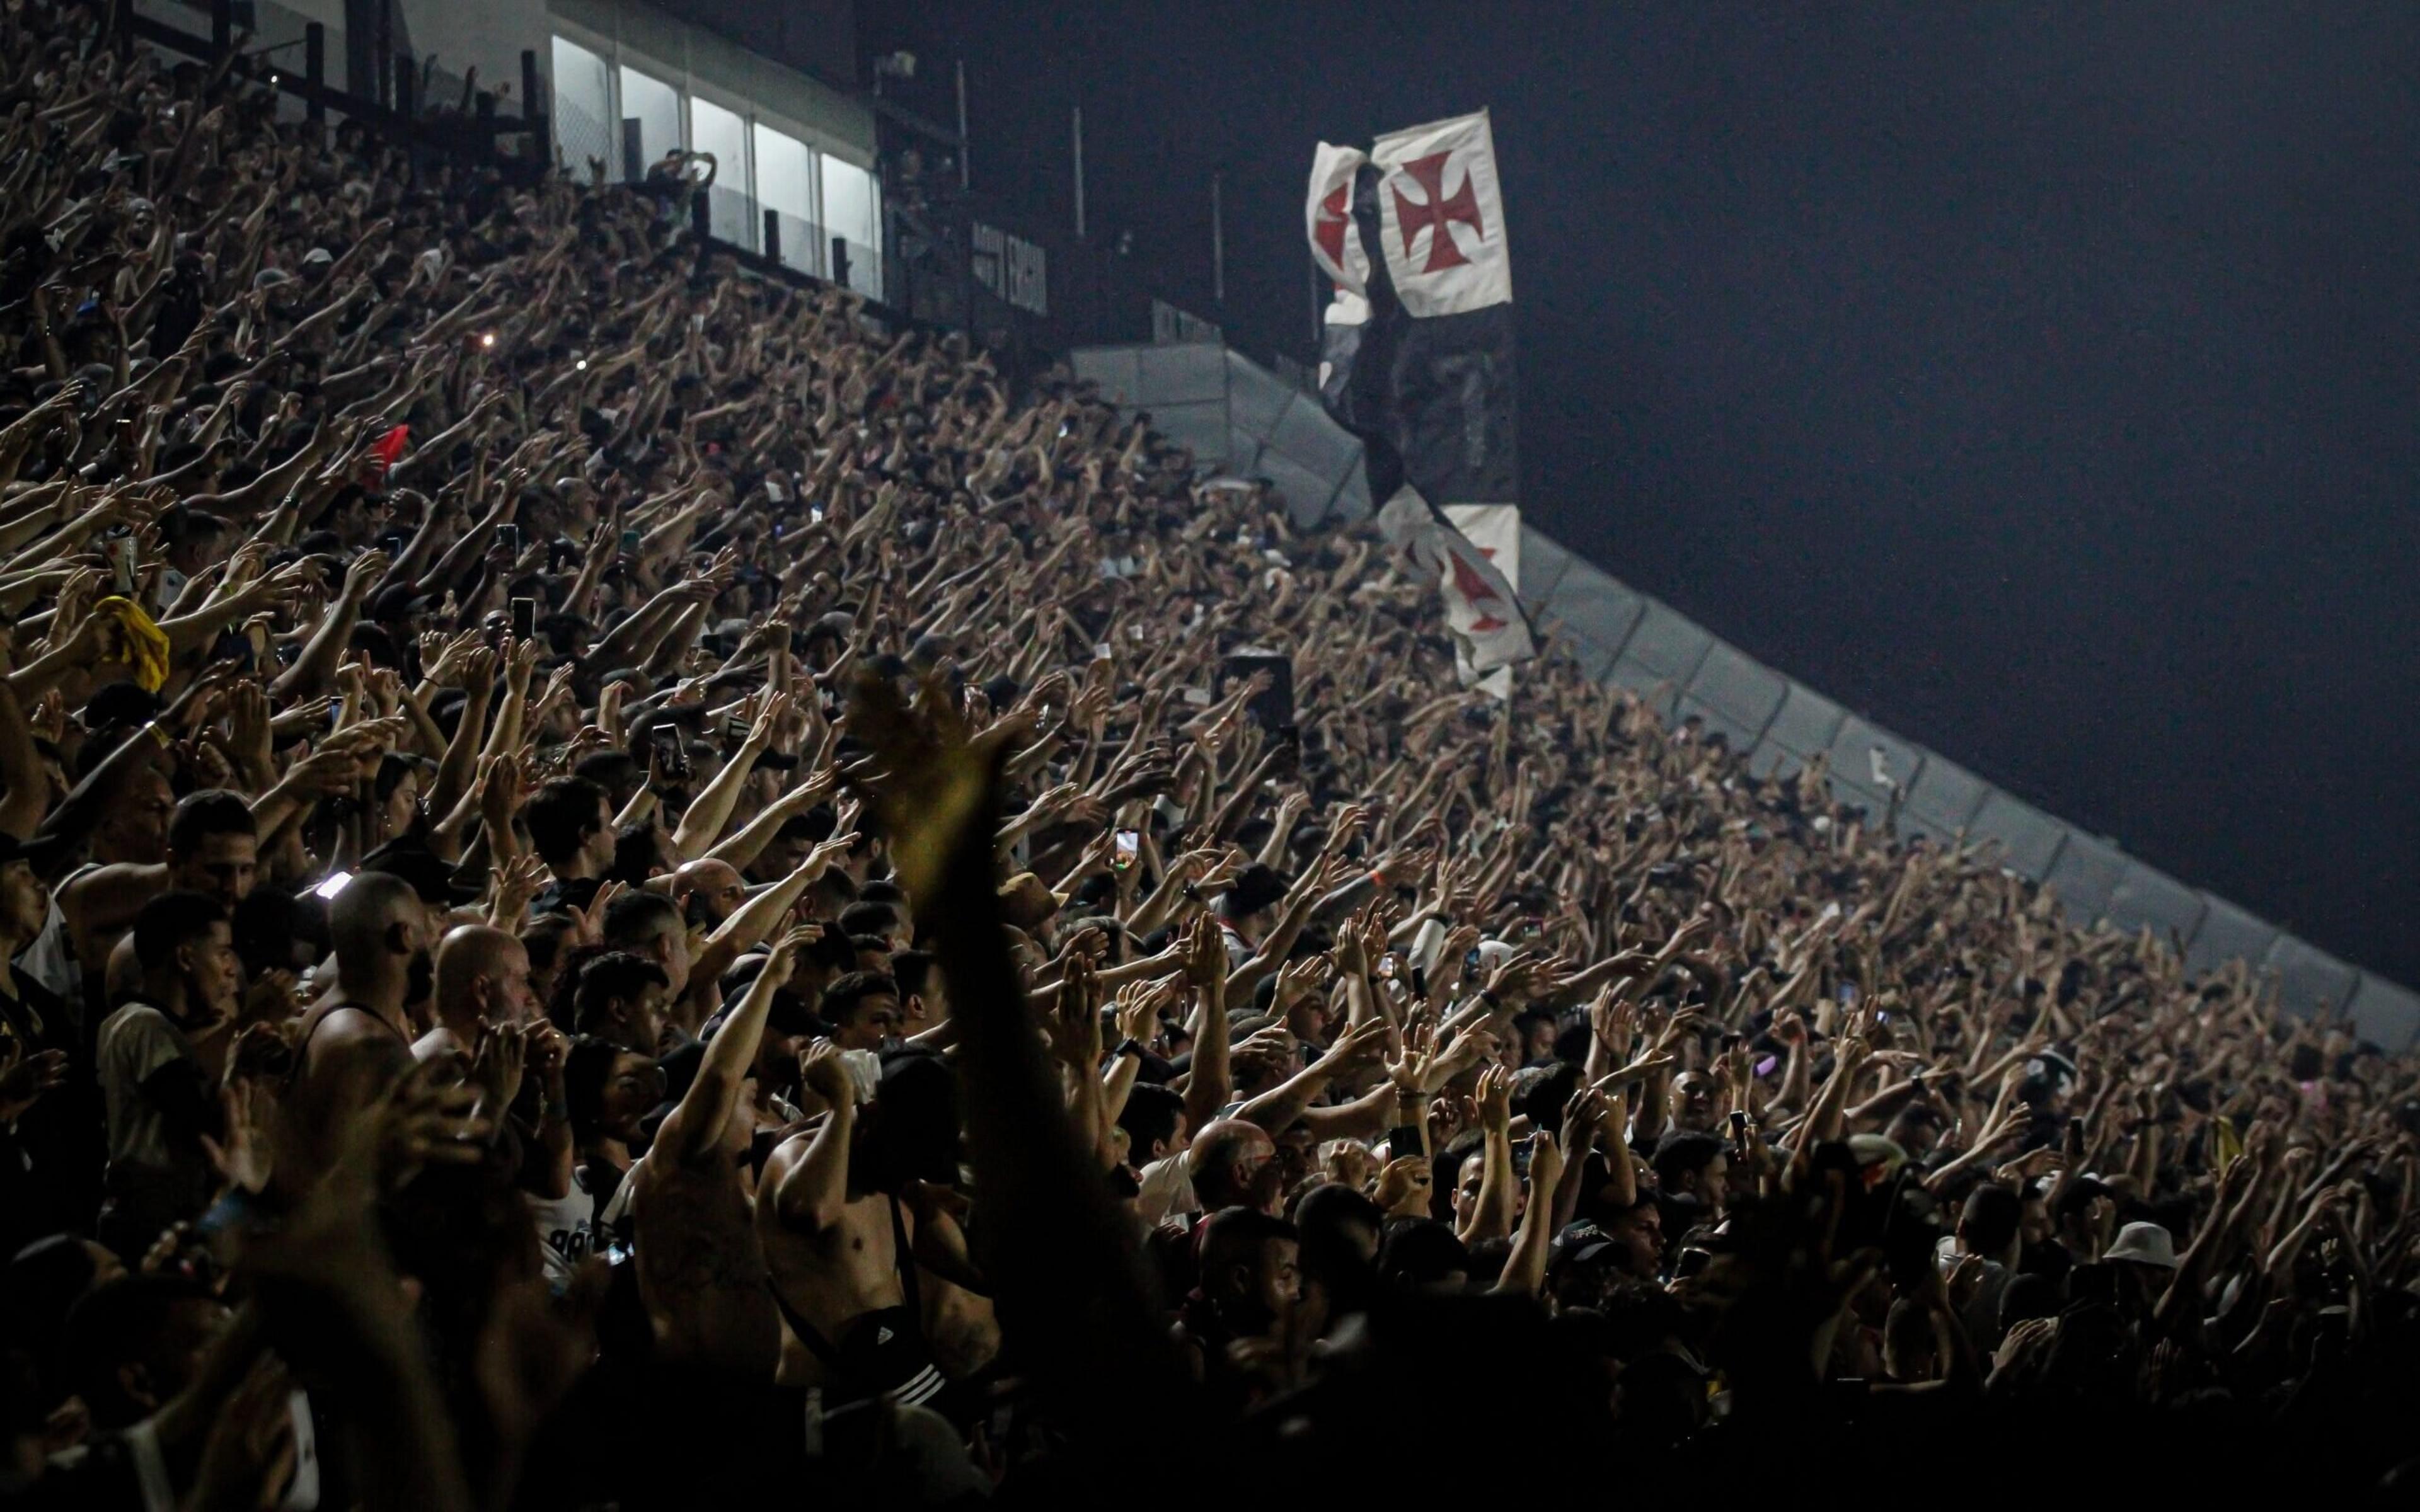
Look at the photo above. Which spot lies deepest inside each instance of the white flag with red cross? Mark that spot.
(1335, 243)
(1441, 217)
(1482, 608)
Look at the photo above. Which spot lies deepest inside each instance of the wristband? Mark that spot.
(1128, 1047)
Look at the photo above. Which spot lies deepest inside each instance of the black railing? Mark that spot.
(480, 134)
(950, 262)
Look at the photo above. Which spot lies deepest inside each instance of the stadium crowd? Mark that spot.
(626, 887)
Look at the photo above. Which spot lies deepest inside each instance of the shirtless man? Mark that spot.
(358, 1041)
(701, 1271)
(875, 1289)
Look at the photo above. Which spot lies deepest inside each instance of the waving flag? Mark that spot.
(1416, 359)
(388, 450)
(1329, 213)
(1483, 606)
(1441, 217)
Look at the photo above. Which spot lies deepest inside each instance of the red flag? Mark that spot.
(388, 448)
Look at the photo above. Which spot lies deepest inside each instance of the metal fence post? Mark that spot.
(840, 262)
(315, 71)
(406, 81)
(773, 236)
(222, 26)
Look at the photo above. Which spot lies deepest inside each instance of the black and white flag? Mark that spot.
(1416, 359)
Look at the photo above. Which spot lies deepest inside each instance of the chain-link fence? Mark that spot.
(588, 149)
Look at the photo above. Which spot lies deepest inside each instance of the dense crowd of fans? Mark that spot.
(625, 888)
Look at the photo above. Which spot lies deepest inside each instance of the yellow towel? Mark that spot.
(147, 644)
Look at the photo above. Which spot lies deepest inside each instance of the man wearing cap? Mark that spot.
(2149, 1252)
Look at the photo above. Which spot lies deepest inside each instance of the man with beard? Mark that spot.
(1239, 1317)
(709, 891)
(358, 1039)
(482, 977)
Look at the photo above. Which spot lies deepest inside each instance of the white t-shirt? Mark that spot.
(566, 1228)
(1166, 1189)
(50, 959)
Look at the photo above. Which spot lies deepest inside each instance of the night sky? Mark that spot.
(2043, 381)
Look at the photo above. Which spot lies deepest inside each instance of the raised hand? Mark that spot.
(1134, 1009)
(498, 1063)
(1546, 1164)
(1076, 1021)
(1362, 1044)
(249, 1116)
(822, 1071)
(784, 963)
(1404, 1186)
(1495, 1098)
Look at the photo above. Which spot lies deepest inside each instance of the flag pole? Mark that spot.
(1217, 235)
(965, 179)
(1079, 173)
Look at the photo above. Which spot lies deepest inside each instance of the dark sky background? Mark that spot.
(2041, 380)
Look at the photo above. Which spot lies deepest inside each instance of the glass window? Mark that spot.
(722, 133)
(785, 186)
(732, 201)
(853, 212)
(655, 105)
(785, 174)
(583, 111)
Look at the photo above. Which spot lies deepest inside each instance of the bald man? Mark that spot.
(1233, 1165)
(716, 886)
(482, 973)
(358, 1039)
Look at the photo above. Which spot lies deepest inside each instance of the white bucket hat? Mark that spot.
(2145, 1244)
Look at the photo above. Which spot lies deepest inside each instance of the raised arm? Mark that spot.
(693, 1132)
(1524, 1269)
(812, 1192)
(1207, 1089)
(1277, 1110)
(756, 917)
(703, 821)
